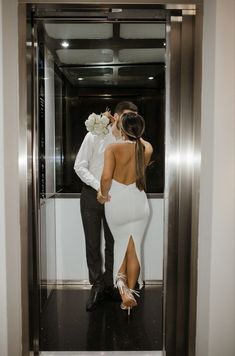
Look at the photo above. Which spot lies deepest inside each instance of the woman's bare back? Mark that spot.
(124, 155)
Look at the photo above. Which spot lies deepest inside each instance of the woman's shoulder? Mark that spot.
(147, 145)
(112, 147)
(115, 146)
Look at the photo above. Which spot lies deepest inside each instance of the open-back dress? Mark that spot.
(127, 215)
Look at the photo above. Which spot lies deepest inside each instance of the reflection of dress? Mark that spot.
(127, 215)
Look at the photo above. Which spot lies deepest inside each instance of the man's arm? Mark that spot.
(81, 165)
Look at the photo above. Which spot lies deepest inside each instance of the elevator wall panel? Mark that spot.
(47, 241)
(70, 242)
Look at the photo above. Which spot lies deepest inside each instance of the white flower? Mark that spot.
(105, 131)
(104, 120)
(91, 120)
(97, 124)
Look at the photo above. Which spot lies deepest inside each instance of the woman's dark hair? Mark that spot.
(133, 126)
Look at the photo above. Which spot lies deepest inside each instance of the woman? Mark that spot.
(126, 209)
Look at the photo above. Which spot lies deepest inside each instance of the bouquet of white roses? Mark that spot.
(97, 124)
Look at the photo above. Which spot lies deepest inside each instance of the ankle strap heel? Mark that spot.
(121, 280)
(127, 294)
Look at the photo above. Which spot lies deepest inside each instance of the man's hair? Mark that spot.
(125, 105)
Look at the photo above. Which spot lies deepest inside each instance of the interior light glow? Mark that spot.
(150, 78)
(80, 78)
(29, 44)
(65, 44)
(189, 158)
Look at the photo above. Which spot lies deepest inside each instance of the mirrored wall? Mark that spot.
(84, 68)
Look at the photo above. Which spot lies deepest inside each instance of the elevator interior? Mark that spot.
(83, 59)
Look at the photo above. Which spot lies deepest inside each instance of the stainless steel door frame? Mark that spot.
(182, 181)
(28, 176)
(25, 174)
(33, 188)
(177, 172)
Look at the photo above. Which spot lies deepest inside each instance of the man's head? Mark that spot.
(122, 108)
(125, 107)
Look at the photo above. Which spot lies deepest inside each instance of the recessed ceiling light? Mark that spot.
(80, 78)
(150, 78)
(65, 44)
(164, 44)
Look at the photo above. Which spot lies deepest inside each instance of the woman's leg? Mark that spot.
(128, 275)
(123, 268)
(132, 264)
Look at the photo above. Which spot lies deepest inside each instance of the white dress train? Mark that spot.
(127, 215)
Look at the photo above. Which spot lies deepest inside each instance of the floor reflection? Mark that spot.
(66, 326)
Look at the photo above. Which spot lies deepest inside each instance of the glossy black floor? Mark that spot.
(67, 326)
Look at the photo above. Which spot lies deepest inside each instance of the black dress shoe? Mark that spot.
(96, 296)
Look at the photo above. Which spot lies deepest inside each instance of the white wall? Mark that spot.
(70, 242)
(10, 272)
(48, 240)
(216, 268)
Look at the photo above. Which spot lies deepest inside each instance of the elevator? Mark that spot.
(82, 59)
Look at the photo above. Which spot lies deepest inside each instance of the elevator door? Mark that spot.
(85, 60)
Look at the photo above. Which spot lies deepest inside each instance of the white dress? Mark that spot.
(127, 215)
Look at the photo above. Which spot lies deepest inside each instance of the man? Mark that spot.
(88, 166)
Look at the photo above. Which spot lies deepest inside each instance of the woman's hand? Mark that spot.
(108, 114)
(101, 198)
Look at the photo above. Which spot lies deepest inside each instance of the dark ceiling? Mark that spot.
(127, 54)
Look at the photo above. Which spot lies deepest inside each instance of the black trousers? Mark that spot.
(92, 218)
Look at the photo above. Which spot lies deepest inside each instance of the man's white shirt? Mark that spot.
(90, 158)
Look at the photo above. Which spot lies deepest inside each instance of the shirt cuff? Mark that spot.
(96, 185)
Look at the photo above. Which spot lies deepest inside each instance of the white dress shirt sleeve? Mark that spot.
(81, 165)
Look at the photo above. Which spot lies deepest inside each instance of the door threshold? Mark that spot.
(101, 353)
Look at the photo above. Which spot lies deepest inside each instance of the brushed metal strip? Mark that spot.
(117, 2)
(171, 184)
(84, 283)
(167, 172)
(78, 195)
(195, 179)
(185, 164)
(102, 353)
(23, 173)
(35, 213)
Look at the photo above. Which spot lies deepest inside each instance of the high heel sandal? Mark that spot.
(128, 307)
(128, 299)
(121, 280)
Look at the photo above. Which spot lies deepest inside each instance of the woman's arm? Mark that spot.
(148, 150)
(148, 153)
(107, 175)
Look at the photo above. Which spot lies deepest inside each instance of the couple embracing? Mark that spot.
(112, 168)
